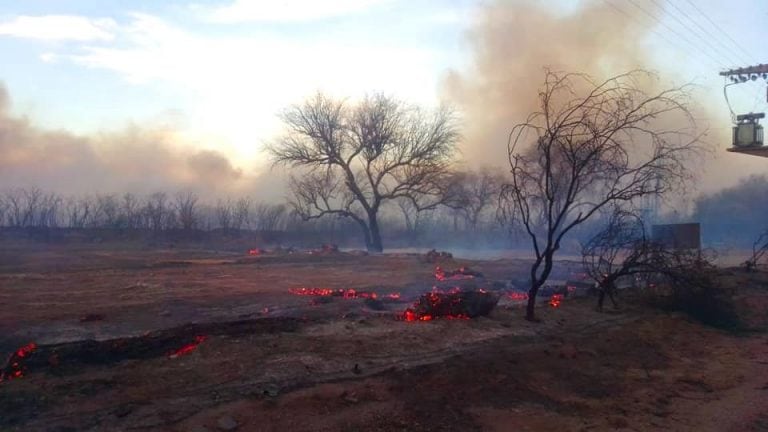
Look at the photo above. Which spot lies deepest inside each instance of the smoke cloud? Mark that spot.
(135, 159)
(512, 42)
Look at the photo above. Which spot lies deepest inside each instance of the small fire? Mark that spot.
(458, 274)
(343, 293)
(256, 252)
(556, 300)
(188, 348)
(517, 295)
(450, 305)
(15, 367)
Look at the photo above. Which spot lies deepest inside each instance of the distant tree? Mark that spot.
(224, 214)
(270, 217)
(590, 146)
(241, 213)
(157, 212)
(130, 211)
(759, 251)
(23, 206)
(3, 211)
(358, 158)
(186, 210)
(477, 192)
(78, 211)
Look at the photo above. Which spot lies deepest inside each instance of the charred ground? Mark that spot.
(117, 347)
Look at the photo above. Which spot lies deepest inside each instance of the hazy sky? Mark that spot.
(218, 71)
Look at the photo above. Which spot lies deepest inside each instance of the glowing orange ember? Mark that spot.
(556, 300)
(454, 304)
(343, 293)
(188, 348)
(517, 295)
(458, 274)
(15, 367)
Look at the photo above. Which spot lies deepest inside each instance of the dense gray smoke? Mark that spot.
(513, 41)
(136, 159)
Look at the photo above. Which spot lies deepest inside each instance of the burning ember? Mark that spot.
(188, 348)
(15, 368)
(556, 300)
(455, 304)
(344, 293)
(458, 274)
(518, 295)
(325, 249)
(256, 252)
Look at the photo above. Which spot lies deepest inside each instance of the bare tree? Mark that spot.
(107, 211)
(357, 158)
(591, 145)
(478, 192)
(186, 209)
(224, 216)
(47, 213)
(759, 250)
(157, 212)
(271, 217)
(3, 211)
(620, 250)
(23, 206)
(241, 213)
(130, 211)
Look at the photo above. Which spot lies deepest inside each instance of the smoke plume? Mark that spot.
(135, 159)
(513, 42)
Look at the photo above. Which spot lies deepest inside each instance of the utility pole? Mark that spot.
(747, 132)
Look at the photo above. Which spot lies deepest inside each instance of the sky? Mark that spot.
(219, 72)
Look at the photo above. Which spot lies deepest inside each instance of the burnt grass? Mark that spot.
(438, 396)
(72, 356)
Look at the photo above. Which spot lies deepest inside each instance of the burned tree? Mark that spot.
(358, 158)
(186, 210)
(620, 250)
(759, 250)
(477, 192)
(591, 145)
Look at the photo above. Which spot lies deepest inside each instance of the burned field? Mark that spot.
(108, 338)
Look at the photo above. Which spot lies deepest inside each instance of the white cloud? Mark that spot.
(236, 84)
(289, 10)
(49, 57)
(58, 27)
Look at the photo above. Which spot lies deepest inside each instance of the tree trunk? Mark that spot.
(374, 245)
(537, 281)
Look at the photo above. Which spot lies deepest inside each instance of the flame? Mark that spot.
(434, 299)
(16, 366)
(350, 293)
(556, 300)
(256, 251)
(517, 295)
(458, 274)
(188, 348)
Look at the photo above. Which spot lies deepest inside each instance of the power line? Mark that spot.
(655, 18)
(727, 53)
(706, 63)
(704, 31)
(662, 36)
(714, 24)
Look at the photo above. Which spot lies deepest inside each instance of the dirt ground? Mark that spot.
(296, 364)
